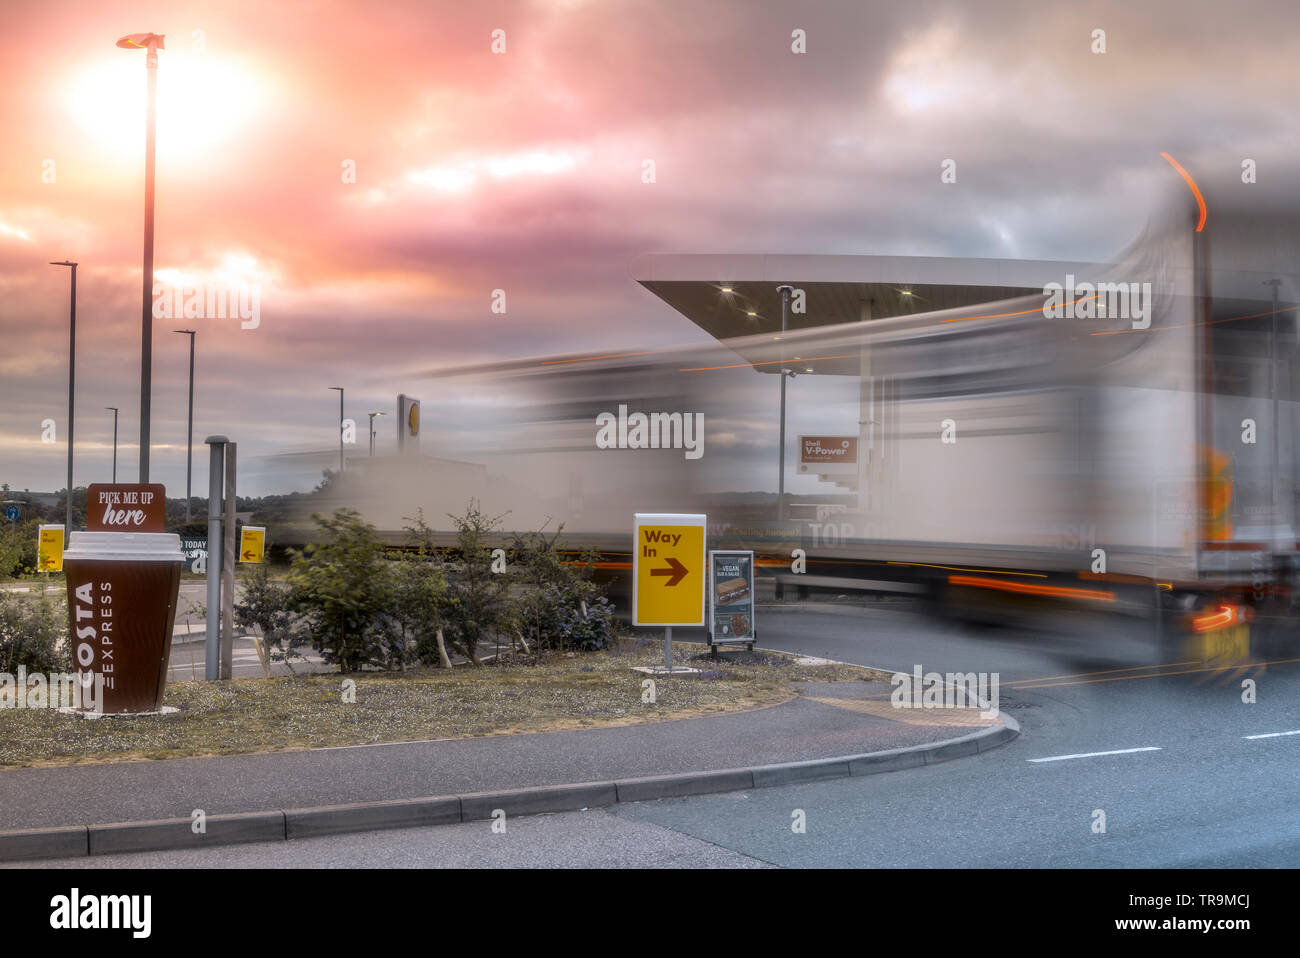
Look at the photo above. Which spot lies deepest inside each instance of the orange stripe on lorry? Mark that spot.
(1032, 588)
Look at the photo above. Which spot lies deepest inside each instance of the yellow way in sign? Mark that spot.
(670, 574)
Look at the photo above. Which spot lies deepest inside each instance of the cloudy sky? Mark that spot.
(522, 171)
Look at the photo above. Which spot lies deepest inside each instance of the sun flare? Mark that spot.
(203, 103)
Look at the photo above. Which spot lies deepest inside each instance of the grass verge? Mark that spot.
(581, 690)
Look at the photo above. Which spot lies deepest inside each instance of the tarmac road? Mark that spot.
(1188, 787)
(1201, 793)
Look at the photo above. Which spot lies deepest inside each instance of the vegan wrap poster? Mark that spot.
(731, 596)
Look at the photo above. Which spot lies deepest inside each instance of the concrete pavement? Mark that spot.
(832, 730)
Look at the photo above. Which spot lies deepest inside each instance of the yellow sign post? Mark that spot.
(49, 549)
(668, 573)
(252, 543)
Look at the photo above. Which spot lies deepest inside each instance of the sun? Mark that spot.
(204, 102)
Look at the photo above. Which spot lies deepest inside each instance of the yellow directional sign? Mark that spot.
(668, 570)
(252, 543)
(49, 549)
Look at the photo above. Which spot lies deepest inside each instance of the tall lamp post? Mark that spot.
(340, 389)
(189, 437)
(114, 408)
(372, 431)
(785, 292)
(1272, 389)
(72, 384)
(151, 43)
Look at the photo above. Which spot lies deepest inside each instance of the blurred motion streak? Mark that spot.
(1031, 444)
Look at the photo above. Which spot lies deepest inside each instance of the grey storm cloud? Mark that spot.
(756, 149)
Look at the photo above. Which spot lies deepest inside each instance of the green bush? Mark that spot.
(420, 594)
(266, 604)
(18, 547)
(343, 590)
(478, 604)
(558, 606)
(33, 633)
(360, 607)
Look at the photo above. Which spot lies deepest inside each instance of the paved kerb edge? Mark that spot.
(227, 829)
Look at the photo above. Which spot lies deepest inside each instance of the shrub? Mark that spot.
(342, 588)
(478, 604)
(559, 606)
(33, 633)
(421, 596)
(266, 604)
(18, 546)
(587, 626)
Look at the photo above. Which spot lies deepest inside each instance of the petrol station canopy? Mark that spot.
(838, 288)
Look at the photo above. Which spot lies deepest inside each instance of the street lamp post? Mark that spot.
(72, 384)
(1272, 389)
(151, 43)
(372, 431)
(216, 478)
(114, 408)
(785, 292)
(340, 389)
(189, 437)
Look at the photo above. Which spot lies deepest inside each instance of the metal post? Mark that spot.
(785, 292)
(72, 384)
(72, 381)
(146, 314)
(340, 389)
(668, 648)
(1276, 425)
(114, 408)
(216, 470)
(780, 508)
(228, 569)
(866, 421)
(189, 438)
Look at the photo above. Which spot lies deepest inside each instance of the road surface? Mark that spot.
(1170, 762)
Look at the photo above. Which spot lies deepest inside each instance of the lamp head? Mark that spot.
(142, 41)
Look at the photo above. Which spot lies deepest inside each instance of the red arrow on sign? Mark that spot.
(674, 569)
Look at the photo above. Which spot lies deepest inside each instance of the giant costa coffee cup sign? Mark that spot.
(126, 507)
(122, 590)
